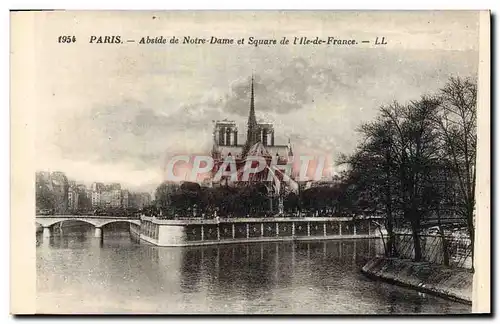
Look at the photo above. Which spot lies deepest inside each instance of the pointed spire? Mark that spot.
(251, 117)
(252, 132)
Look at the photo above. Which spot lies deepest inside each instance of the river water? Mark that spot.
(77, 273)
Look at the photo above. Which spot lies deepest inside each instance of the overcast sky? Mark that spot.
(114, 112)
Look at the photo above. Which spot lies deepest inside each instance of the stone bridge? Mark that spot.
(47, 221)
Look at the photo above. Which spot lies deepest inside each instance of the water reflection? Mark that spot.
(77, 272)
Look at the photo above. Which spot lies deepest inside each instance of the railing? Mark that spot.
(459, 248)
(262, 215)
(86, 216)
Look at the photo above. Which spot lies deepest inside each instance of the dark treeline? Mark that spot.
(248, 200)
(417, 161)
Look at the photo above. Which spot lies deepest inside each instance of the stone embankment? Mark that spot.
(451, 283)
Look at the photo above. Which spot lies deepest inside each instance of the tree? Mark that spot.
(163, 195)
(417, 161)
(84, 202)
(391, 168)
(44, 195)
(457, 123)
(291, 202)
(439, 198)
(415, 153)
(371, 181)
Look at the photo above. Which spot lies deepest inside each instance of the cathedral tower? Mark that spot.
(253, 127)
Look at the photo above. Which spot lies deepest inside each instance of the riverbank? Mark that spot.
(450, 283)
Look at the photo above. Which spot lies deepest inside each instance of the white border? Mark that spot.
(186, 4)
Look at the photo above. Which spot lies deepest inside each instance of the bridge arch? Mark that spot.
(96, 222)
(112, 221)
(49, 222)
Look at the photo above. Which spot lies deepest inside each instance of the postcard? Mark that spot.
(250, 162)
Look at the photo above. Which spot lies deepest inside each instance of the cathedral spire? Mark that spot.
(252, 132)
(252, 121)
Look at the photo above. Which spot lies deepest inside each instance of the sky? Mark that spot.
(117, 112)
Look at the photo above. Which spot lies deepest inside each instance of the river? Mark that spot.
(77, 273)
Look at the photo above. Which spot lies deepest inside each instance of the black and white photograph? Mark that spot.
(253, 162)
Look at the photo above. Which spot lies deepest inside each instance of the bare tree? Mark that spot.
(414, 154)
(372, 176)
(457, 121)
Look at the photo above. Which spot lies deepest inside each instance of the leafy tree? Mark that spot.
(163, 195)
(291, 202)
(45, 198)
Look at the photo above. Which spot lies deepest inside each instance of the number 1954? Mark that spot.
(66, 39)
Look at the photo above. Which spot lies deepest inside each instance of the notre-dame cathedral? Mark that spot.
(259, 139)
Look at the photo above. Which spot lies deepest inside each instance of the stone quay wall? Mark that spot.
(191, 232)
(450, 283)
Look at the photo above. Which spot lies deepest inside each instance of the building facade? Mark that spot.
(109, 196)
(225, 137)
(97, 186)
(125, 199)
(96, 198)
(73, 198)
(260, 141)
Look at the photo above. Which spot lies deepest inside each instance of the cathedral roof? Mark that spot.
(258, 149)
